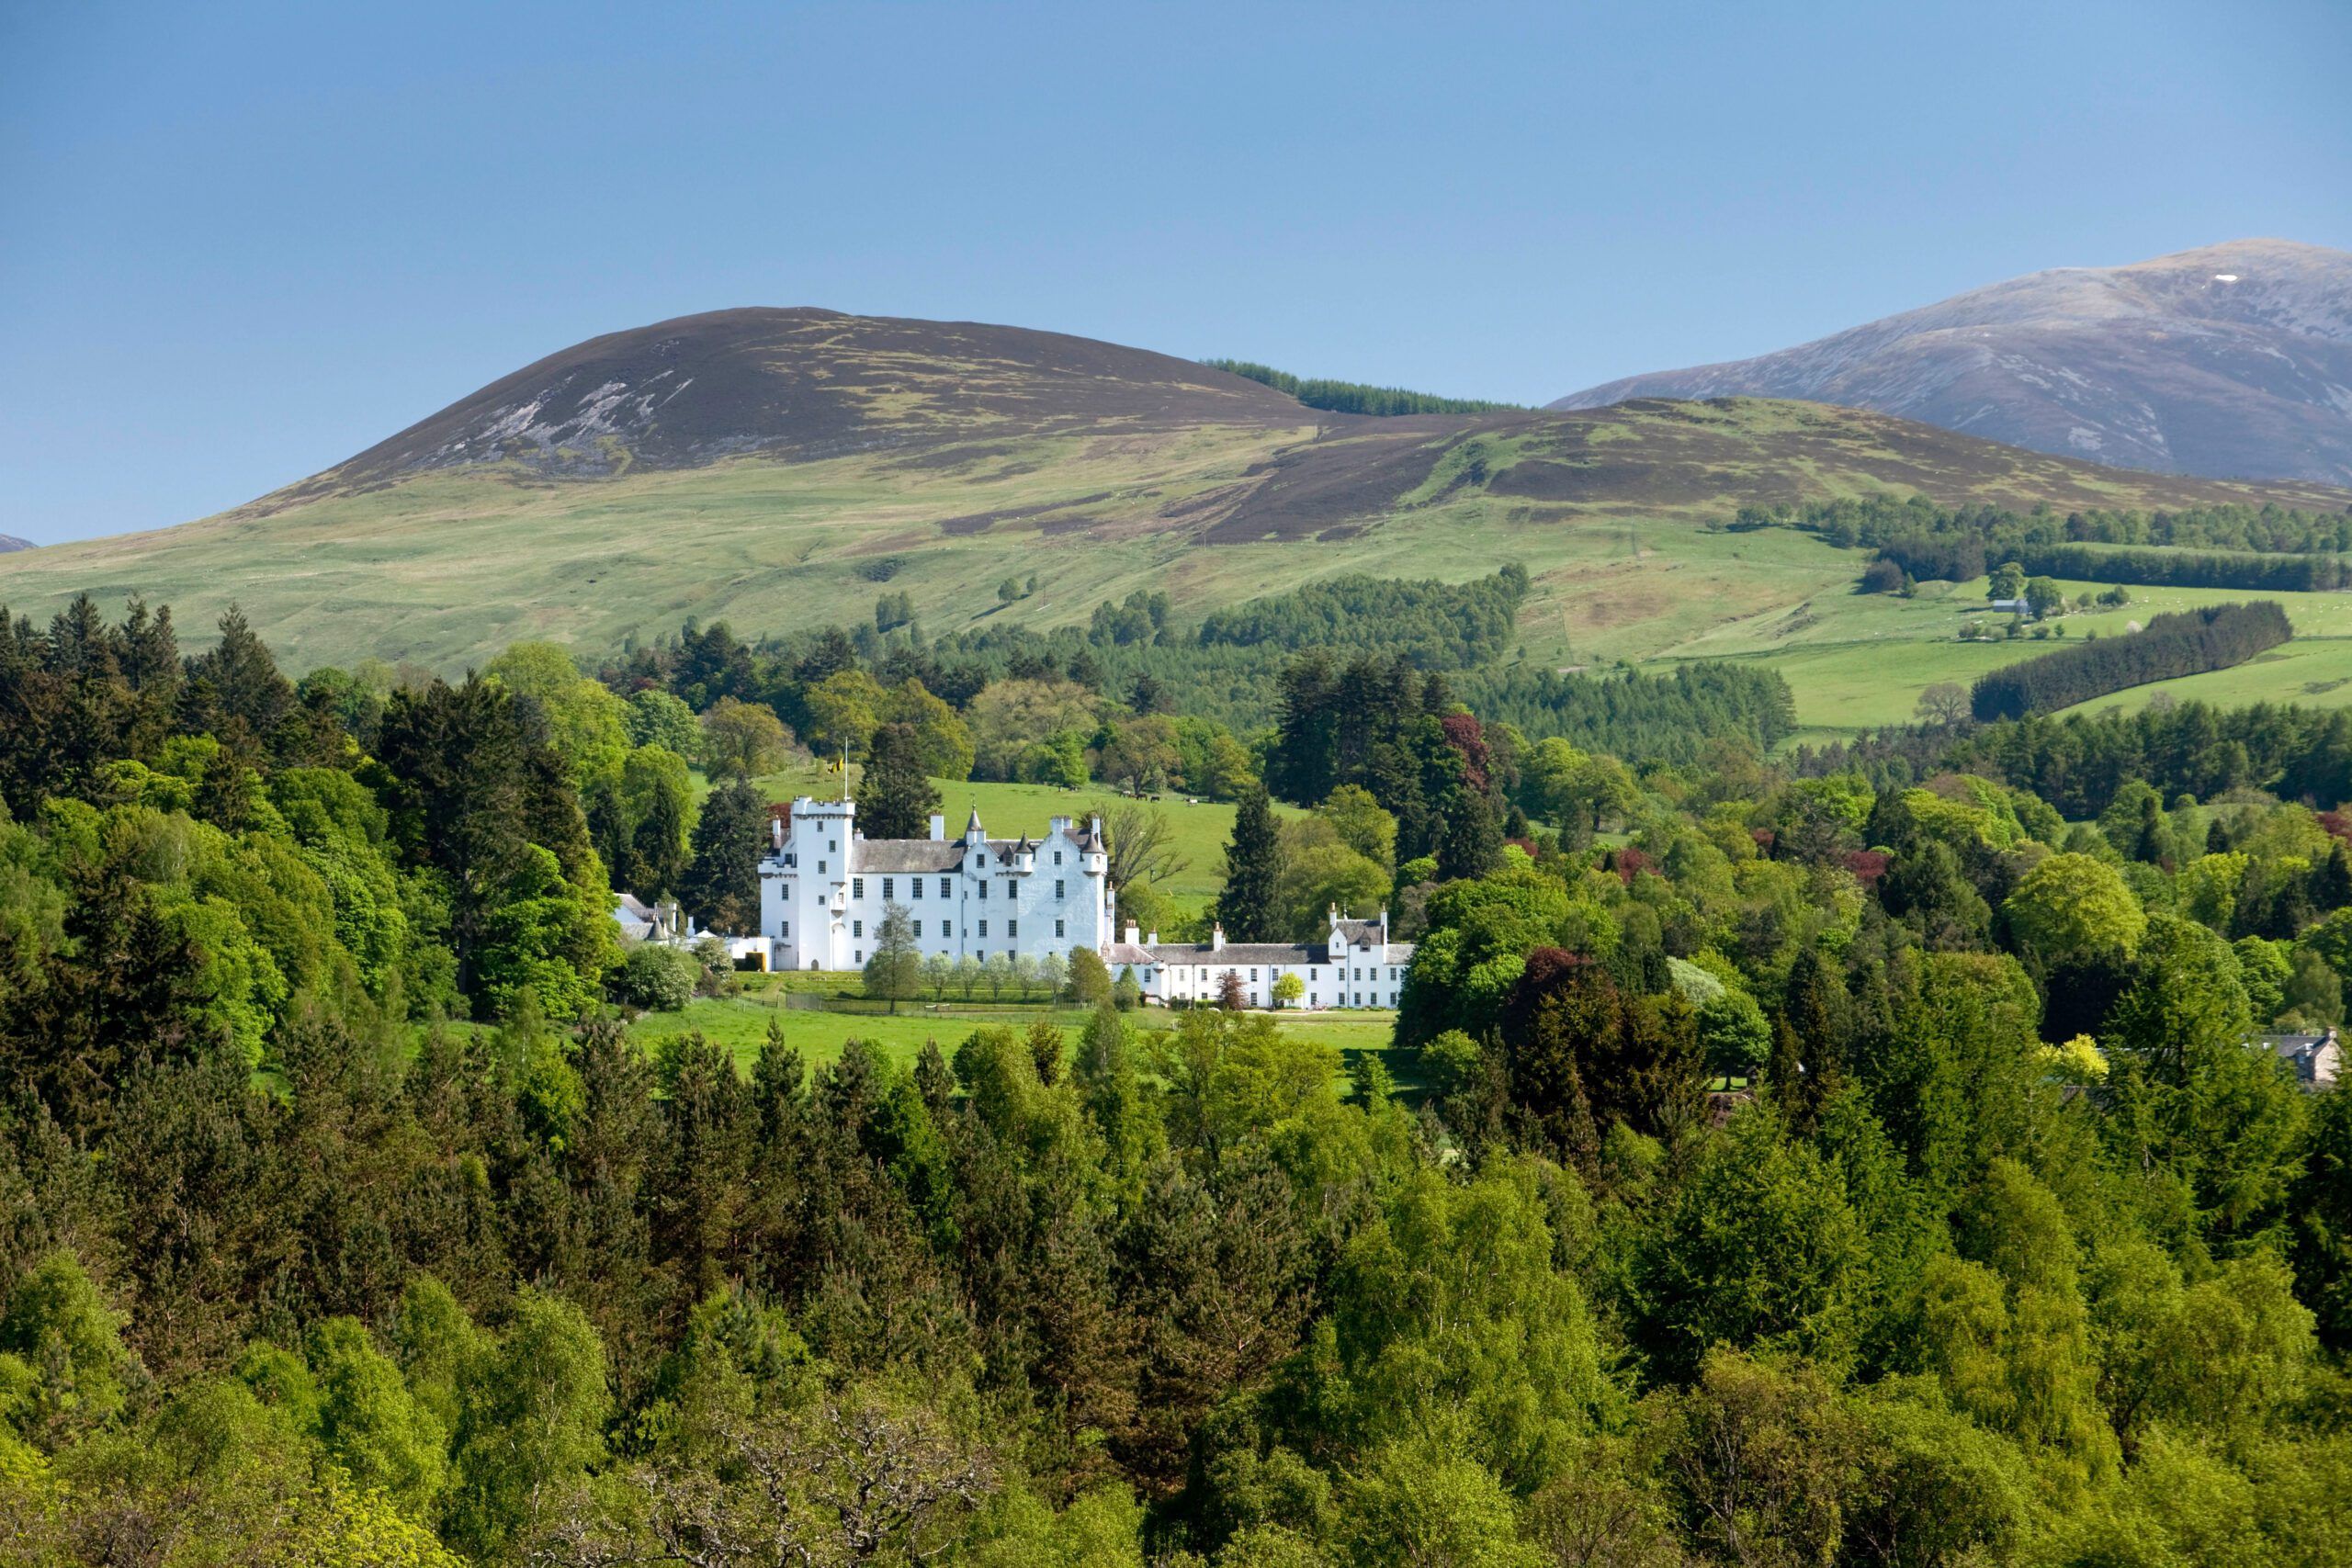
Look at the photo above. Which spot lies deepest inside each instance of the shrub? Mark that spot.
(659, 979)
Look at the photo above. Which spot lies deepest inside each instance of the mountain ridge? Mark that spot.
(828, 454)
(2226, 361)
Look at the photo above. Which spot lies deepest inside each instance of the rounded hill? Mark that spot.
(800, 383)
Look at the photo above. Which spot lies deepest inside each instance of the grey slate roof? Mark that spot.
(1233, 952)
(878, 855)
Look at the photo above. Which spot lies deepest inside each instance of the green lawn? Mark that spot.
(741, 1023)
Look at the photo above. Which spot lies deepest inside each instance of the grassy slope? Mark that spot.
(445, 569)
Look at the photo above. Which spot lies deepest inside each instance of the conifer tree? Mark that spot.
(896, 797)
(721, 885)
(1253, 868)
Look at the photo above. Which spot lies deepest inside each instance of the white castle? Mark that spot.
(824, 885)
(824, 889)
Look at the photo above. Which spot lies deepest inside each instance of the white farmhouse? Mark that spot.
(1355, 965)
(823, 887)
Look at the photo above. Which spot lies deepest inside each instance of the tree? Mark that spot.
(839, 713)
(60, 1349)
(1288, 989)
(722, 884)
(1142, 847)
(657, 977)
(1229, 993)
(2043, 596)
(1090, 977)
(659, 846)
(657, 718)
(370, 1423)
(1126, 991)
(742, 739)
(894, 971)
(1248, 906)
(531, 1423)
(2008, 581)
(896, 797)
(1944, 703)
(2073, 908)
(1362, 824)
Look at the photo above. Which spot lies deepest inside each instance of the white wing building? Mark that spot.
(1355, 965)
(823, 886)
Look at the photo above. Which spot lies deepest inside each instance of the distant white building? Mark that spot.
(1355, 965)
(824, 887)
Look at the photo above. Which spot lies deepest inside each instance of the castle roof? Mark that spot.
(907, 854)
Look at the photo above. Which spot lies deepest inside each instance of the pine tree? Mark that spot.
(658, 848)
(896, 797)
(1253, 867)
(1470, 842)
(722, 886)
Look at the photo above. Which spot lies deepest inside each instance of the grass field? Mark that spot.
(741, 1023)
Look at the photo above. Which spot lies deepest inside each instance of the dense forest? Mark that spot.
(2187, 642)
(1851, 1161)
(1353, 397)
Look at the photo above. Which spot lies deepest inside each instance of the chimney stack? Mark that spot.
(938, 825)
(1130, 933)
(1217, 937)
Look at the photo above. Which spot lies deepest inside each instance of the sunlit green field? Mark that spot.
(742, 1023)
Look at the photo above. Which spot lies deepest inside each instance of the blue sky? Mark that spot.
(239, 243)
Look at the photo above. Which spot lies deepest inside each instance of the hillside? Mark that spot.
(2229, 360)
(801, 459)
(10, 542)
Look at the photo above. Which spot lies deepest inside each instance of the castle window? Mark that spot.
(984, 892)
(1058, 889)
(918, 928)
(914, 882)
(1057, 928)
(984, 930)
(857, 927)
(820, 868)
(857, 887)
(1009, 886)
(832, 846)
(1057, 857)
(784, 928)
(944, 886)
(887, 890)
(1012, 930)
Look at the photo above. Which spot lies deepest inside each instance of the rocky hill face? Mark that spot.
(804, 384)
(2230, 361)
(10, 542)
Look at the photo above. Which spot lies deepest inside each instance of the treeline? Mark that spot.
(1434, 625)
(1672, 717)
(1958, 557)
(1870, 522)
(2187, 642)
(2079, 762)
(1353, 397)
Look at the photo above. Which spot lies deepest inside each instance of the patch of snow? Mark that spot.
(2225, 278)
